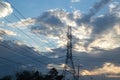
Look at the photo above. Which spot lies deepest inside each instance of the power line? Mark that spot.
(26, 49)
(30, 57)
(23, 18)
(22, 22)
(49, 44)
(12, 61)
(18, 28)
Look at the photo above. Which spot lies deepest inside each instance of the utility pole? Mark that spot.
(69, 69)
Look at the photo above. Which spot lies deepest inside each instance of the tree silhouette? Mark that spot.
(25, 75)
(53, 75)
(6, 78)
(36, 75)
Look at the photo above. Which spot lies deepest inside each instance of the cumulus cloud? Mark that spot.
(107, 69)
(5, 9)
(109, 39)
(90, 36)
(88, 31)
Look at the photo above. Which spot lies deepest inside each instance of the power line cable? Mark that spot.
(25, 18)
(19, 28)
(19, 19)
(30, 57)
(49, 44)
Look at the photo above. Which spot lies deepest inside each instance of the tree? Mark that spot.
(25, 75)
(6, 78)
(35, 75)
(53, 75)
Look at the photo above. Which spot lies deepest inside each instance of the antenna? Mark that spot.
(69, 69)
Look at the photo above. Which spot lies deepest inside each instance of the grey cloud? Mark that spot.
(54, 23)
(102, 23)
(49, 23)
(2, 32)
(48, 18)
(90, 61)
(95, 8)
(19, 57)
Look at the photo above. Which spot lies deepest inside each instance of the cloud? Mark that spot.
(107, 69)
(5, 9)
(105, 24)
(94, 9)
(115, 8)
(97, 6)
(104, 65)
(88, 32)
(50, 23)
(17, 56)
(95, 39)
(109, 39)
(7, 32)
(23, 23)
(75, 0)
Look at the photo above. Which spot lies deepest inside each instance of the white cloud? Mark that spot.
(75, 0)
(7, 32)
(107, 69)
(115, 8)
(109, 39)
(58, 67)
(23, 23)
(53, 24)
(5, 9)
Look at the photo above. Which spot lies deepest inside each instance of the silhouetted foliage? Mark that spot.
(36, 75)
(25, 75)
(6, 78)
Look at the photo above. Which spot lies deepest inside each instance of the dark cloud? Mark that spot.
(14, 57)
(90, 61)
(2, 32)
(105, 22)
(95, 8)
(95, 59)
(50, 19)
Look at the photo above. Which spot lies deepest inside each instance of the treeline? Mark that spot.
(35, 75)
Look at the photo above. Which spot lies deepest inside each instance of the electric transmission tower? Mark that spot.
(69, 69)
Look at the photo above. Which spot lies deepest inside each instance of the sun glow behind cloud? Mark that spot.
(53, 24)
(92, 34)
(107, 69)
(88, 31)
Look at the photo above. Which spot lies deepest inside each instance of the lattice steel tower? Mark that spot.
(69, 69)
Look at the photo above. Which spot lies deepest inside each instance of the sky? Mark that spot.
(43, 27)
